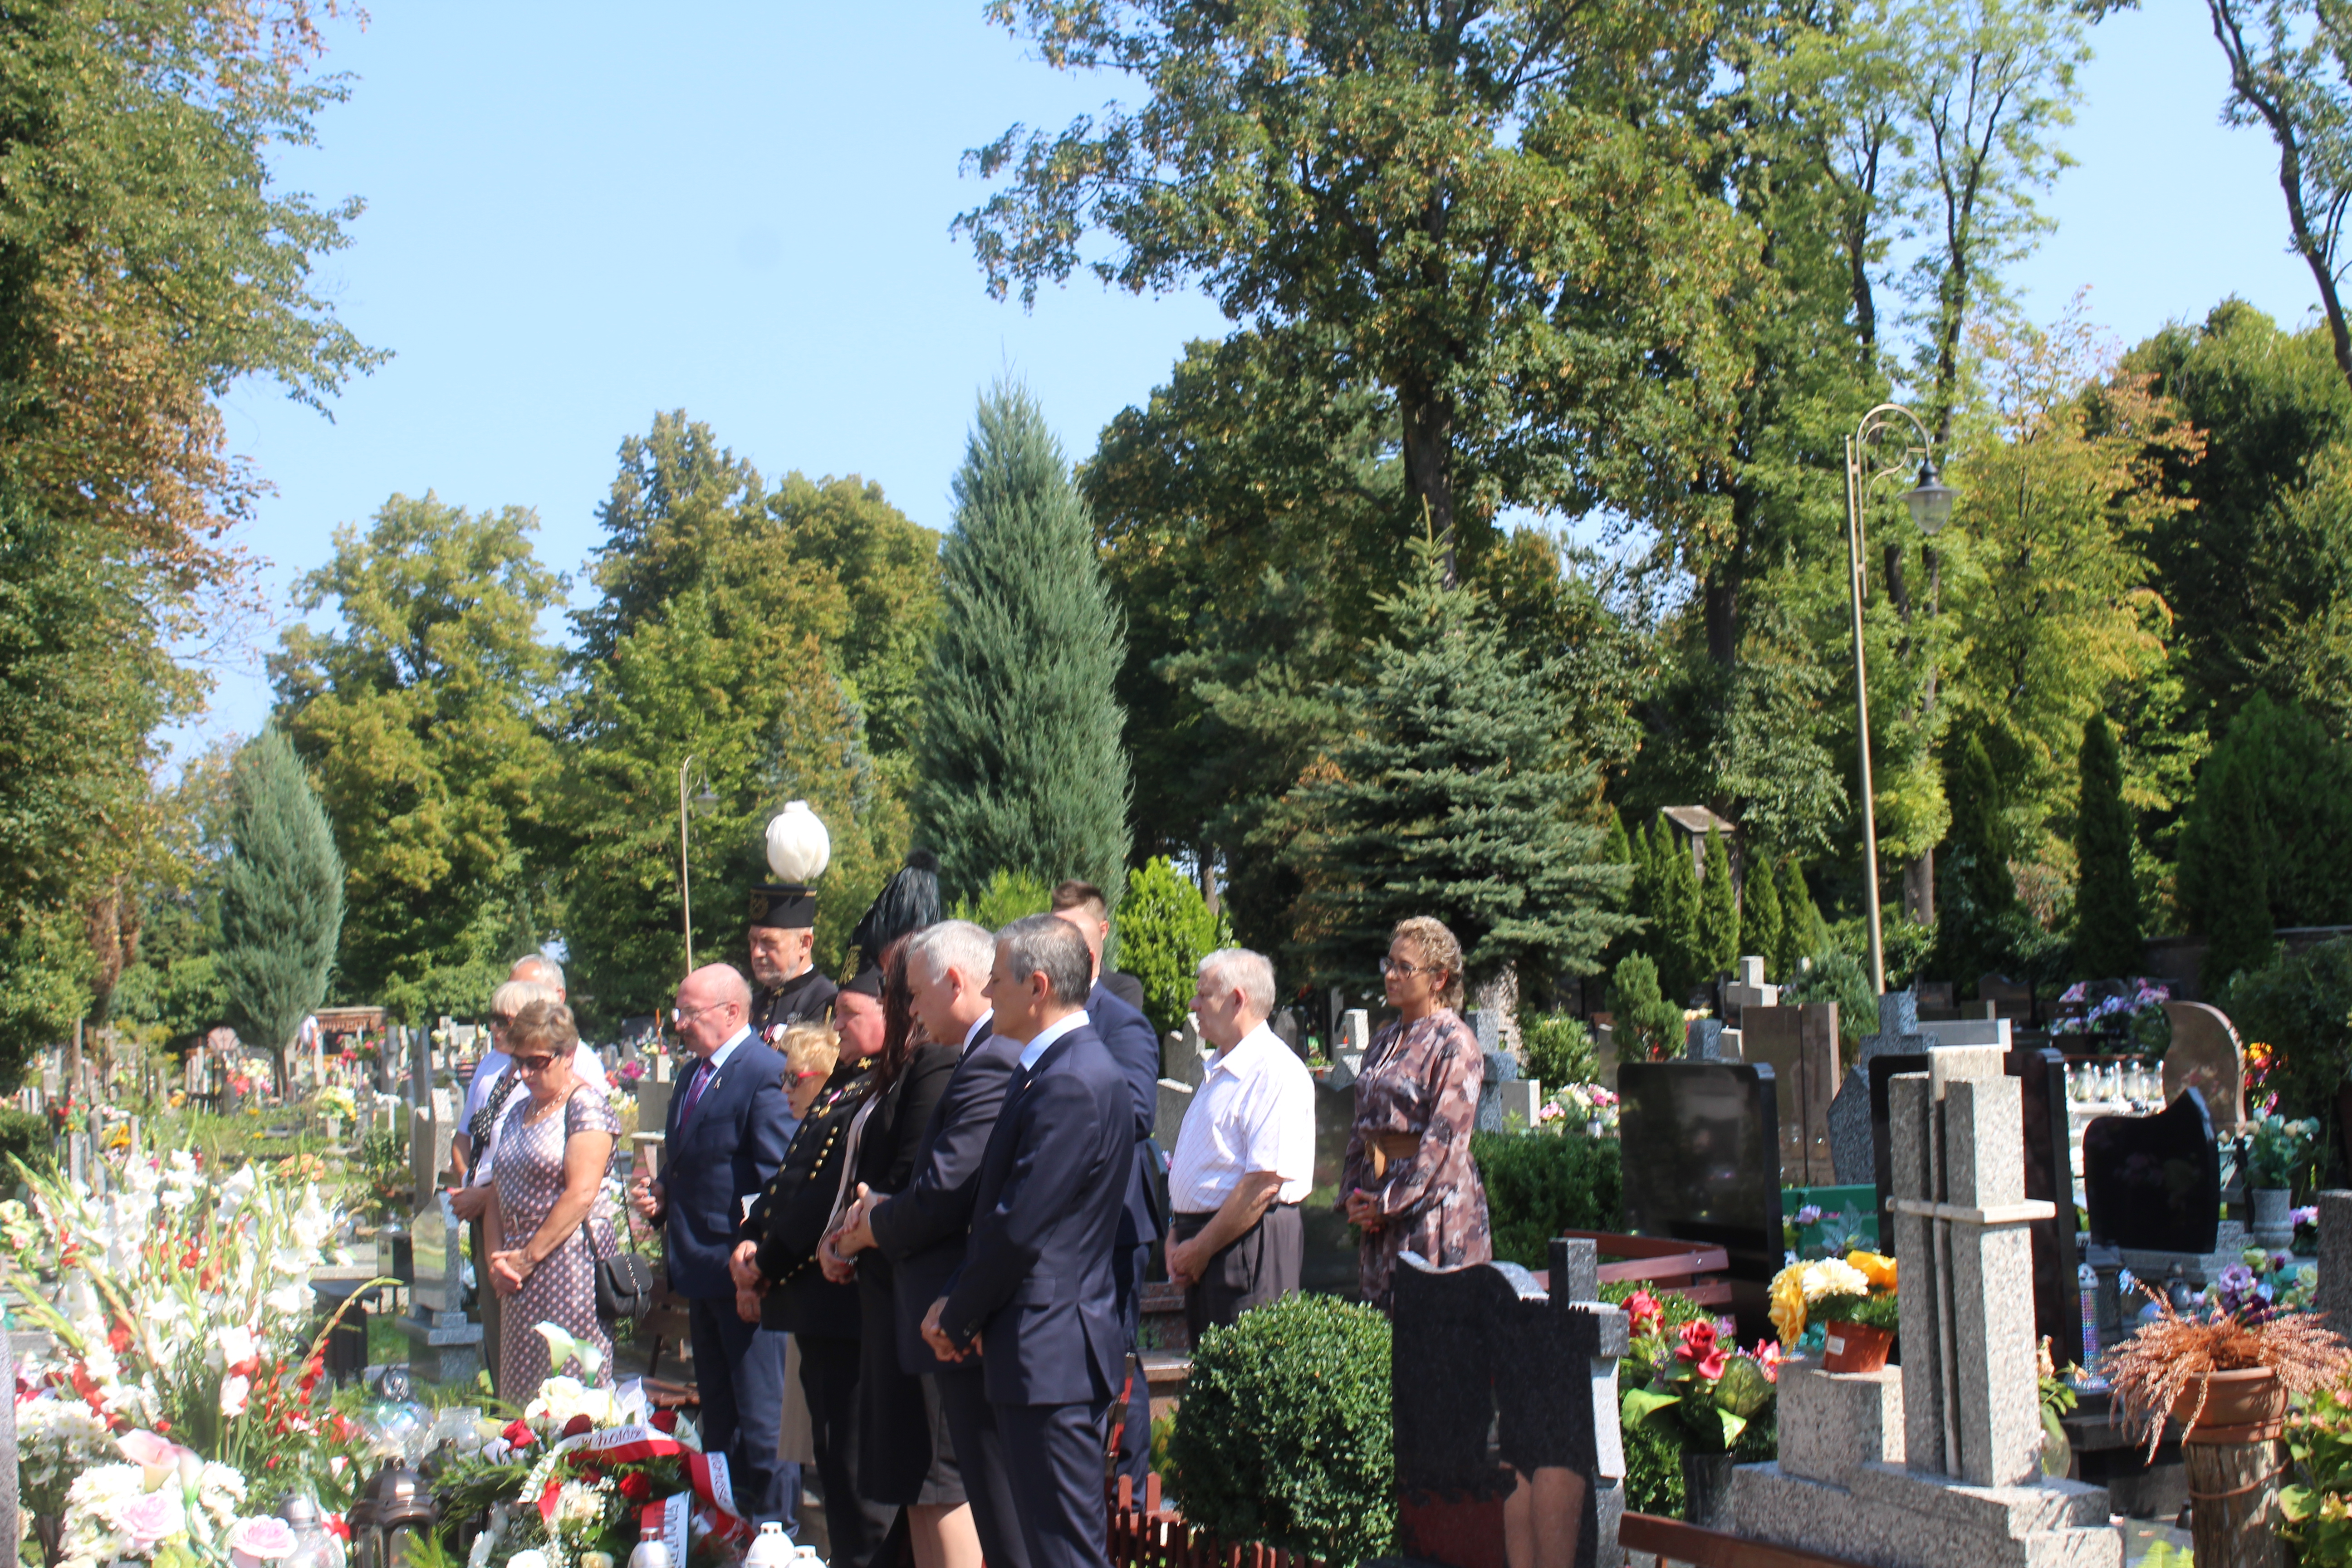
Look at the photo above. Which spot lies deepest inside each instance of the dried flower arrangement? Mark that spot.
(2152, 1370)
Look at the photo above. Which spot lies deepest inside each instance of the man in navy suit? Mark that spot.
(1132, 1044)
(1036, 1297)
(728, 1122)
(922, 1229)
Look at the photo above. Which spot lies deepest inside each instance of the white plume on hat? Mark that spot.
(799, 849)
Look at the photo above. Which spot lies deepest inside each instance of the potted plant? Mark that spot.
(1696, 1386)
(1853, 1296)
(2224, 1375)
(2275, 1153)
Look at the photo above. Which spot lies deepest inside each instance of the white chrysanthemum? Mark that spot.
(292, 1299)
(1834, 1277)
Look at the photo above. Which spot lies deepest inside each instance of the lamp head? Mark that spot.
(1930, 501)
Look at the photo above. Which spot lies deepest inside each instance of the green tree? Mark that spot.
(1648, 1026)
(422, 718)
(2106, 903)
(1760, 920)
(1165, 928)
(1805, 932)
(1977, 905)
(1456, 798)
(1020, 764)
(1718, 911)
(1675, 940)
(1005, 897)
(281, 898)
(2268, 838)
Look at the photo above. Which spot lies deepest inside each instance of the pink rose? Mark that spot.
(152, 1516)
(259, 1540)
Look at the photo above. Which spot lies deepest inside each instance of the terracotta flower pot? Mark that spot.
(1856, 1347)
(2248, 1406)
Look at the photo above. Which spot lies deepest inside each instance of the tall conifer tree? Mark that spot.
(1020, 766)
(1976, 890)
(1457, 797)
(281, 902)
(1674, 939)
(2106, 904)
(1760, 917)
(1718, 912)
(1803, 933)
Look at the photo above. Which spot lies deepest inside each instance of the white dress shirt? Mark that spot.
(493, 1067)
(1035, 1048)
(978, 1031)
(1254, 1111)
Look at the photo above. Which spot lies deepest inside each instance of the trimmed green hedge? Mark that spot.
(1540, 1183)
(1283, 1435)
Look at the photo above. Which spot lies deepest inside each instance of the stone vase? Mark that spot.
(2272, 1229)
(1706, 1489)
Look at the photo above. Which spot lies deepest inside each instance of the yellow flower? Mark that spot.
(1879, 1270)
(1789, 1304)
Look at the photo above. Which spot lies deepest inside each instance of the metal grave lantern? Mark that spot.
(394, 1517)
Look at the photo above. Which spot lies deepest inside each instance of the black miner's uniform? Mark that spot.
(803, 999)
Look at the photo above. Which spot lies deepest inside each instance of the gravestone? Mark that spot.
(1504, 1391)
(1744, 990)
(2041, 1076)
(1936, 1462)
(445, 1344)
(652, 1102)
(1355, 1030)
(428, 1151)
(1852, 1148)
(2153, 1183)
(1700, 1151)
(1933, 995)
(2334, 1299)
(1181, 1057)
(1175, 1099)
(1507, 1102)
(1801, 1046)
(1707, 1040)
(2011, 999)
(1288, 1029)
(2206, 1054)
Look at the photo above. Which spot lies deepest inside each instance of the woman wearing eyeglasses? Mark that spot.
(1409, 1182)
(545, 1235)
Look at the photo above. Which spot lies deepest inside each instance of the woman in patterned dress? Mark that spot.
(1409, 1182)
(553, 1147)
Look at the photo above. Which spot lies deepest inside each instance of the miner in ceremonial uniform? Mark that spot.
(792, 989)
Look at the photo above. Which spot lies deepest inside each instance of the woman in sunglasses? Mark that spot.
(545, 1233)
(1409, 1182)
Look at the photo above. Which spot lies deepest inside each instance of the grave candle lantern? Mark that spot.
(392, 1517)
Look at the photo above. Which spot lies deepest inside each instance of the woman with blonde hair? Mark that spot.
(545, 1233)
(1409, 1182)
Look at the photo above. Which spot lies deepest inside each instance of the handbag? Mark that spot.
(625, 1287)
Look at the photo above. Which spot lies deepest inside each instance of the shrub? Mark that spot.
(1557, 1049)
(1008, 896)
(25, 1135)
(1165, 928)
(1540, 1183)
(2298, 1004)
(1284, 1433)
(1648, 1027)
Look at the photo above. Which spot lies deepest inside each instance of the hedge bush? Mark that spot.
(1557, 1048)
(1284, 1434)
(1540, 1183)
(25, 1135)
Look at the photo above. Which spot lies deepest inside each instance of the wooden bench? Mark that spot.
(1661, 1263)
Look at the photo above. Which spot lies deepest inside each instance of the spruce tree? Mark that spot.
(1718, 912)
(1676, 941)
(1625, 849)
(1976, 892)
(1458, 797)
(2106, 903)
(1020, 766)
(1648, 1026)
(1760, 917)
(281, 898)
(2234, 909)
(1803, 933)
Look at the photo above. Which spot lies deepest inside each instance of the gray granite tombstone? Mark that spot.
(1852, 1149)
(1289, 1030)
(445, 1344)
(1180, 1056)
(1504, 1398)
(2206, 1054)
(1700, 1152)
(1174, 1099)
(1801, 1046)
(1505, 1101)
(2336, 1259)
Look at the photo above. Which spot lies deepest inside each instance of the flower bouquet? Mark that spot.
(1702, 1389)
(1853, 1296)
(1585, 1108)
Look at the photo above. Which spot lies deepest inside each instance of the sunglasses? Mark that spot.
(533, 1064)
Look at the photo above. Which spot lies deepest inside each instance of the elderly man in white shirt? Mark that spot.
(1245, 1155)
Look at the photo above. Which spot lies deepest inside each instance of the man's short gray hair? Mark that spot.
(1051, 946)
(1251, 974)
(963, 946)
(540, 970)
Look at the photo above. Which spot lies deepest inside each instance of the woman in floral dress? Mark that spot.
(1409, 1182)
(545, 1235)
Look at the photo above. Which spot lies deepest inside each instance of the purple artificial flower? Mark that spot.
(2307, 1214)
(1809, 1215)
(2237, 1279)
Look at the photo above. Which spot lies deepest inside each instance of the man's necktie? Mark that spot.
(694, 1093)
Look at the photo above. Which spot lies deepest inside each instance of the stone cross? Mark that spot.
(1852, 1148)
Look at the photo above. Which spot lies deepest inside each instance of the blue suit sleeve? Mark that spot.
(1050, 1163)
(937, 1204)
(1127, 1035)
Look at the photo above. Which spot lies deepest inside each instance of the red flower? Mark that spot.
(665, 1420)
(518, 1433)
(1699, 1341)
(118, 1337)
(1768, 1358)
(636, 1486)
(578, 1424)
(1643, 1308)
(163, 1427)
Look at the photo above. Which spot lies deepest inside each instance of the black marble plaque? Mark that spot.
(1700, 1148)
(2049, 1178)
(1492, 1378)
(2154, 1182)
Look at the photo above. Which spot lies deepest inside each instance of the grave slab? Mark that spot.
(2206, 1054)
(1700, 1150)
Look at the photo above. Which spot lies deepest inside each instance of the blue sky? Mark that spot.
(742, 210)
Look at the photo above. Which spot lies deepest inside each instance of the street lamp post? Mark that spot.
(685, 884)
(1930, 503)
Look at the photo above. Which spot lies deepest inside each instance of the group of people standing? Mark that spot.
(927, 1198)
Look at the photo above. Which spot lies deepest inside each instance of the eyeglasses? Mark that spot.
(502, 1020)
(533, 1064)
(680, 1019)
(1407, 971)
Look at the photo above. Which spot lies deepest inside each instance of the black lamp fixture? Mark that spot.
(1930, 501)
(394, 1514)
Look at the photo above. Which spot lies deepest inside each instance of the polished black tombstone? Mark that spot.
(2049, 1178)
(2153, 1183)
(1505, 1399)
(1700, 1151)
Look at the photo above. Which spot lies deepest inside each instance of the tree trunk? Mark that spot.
(1499, 993)
(1429, 465)
(2233, 1504)
(1722, 609)
(1919, 888)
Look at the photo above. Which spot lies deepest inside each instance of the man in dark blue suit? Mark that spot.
(1129, 1035)
(729, 1123)
(1036, 1297)
(922, 1229)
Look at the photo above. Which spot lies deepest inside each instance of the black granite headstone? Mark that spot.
(1505, 1395)
(2153, 1183)
(1700, 1150)
(2049, 1178)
